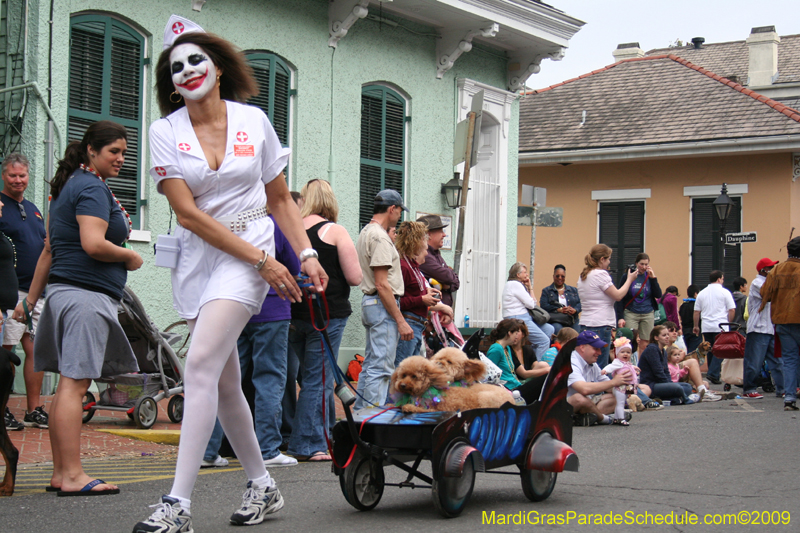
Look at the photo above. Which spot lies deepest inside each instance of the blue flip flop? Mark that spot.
(87, 490)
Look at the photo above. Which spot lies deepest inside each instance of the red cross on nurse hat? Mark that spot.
(177, 25)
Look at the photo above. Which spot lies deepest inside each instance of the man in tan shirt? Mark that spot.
(382, 285)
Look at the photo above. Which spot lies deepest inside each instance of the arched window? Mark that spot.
(383, 123)
(106, 62)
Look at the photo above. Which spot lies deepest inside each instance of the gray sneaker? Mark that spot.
(169, 517)
(257, 502)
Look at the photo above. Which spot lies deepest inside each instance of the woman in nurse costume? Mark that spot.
(219, 162)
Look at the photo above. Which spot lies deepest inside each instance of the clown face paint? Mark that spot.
(193, 73)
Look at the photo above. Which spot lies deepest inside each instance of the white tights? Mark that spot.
(212, 387)
(619, 411)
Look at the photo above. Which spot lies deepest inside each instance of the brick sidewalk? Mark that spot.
(34, 444)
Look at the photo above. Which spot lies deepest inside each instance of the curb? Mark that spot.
(159, 436)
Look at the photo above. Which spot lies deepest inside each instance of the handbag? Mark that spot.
(539, 315)
(729, 344)
(562, 318)
(660, 315)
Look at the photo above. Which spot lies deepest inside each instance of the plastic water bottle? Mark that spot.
(466, 321)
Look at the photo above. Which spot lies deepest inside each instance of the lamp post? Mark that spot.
(723, 205)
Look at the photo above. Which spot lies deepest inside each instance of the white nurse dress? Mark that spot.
(253, 158)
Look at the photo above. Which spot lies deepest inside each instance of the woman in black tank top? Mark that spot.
(337, 255)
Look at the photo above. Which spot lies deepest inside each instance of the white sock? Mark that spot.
(186, 505)
(264, 482)
(701, 389)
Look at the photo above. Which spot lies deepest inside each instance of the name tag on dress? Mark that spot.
(243, 150)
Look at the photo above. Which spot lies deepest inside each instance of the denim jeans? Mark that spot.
(412, 347)
(558, 327)
(714, 363)
(538, 335)
(262, 347)
(692, 341)
(378, 365)
(212, 450)
(604, 332)
(668, 391)
(790, 353)
(289, 402)
(308, 431)
(758, 347)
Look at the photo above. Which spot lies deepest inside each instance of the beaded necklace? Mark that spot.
(122, 208)
(417, 274)
(13, 248)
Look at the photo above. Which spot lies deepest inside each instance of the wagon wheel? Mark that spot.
(175, 409)
(362, 482)
(536, 484)
(181, 347)
(88, 398)
(145, 412)
(451, 494)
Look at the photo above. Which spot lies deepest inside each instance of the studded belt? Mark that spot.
(239, 221)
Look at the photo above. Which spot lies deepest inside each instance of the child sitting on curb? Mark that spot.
(564, 336)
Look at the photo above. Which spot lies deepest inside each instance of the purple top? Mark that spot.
(670, 303)
(275, 309)
(435, 267)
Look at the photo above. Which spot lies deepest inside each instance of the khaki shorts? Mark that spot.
(15, 330)
(597, 397)
(644, 322)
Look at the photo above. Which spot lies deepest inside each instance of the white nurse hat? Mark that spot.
(177, 25)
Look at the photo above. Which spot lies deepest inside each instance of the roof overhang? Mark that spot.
(526, 31)
(779, 143)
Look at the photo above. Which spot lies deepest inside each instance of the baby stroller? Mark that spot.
(160, 371)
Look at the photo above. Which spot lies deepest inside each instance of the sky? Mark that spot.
(657, 24)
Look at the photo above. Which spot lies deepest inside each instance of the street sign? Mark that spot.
(736, 238)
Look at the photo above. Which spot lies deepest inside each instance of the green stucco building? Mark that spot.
(367, 94)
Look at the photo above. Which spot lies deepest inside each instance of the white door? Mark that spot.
(484, 238)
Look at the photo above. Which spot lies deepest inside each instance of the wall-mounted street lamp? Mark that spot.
(452, 191)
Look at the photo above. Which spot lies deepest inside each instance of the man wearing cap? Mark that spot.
(760, 337)
(589, 391)
(781, 290)
(382, 285)
(434, 265)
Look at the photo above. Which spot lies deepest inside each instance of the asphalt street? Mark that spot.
(732, 457)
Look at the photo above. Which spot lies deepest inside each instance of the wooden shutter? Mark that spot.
(622, 229)
(382, 145)
(105, 66)
(274, 82)
(706, 247)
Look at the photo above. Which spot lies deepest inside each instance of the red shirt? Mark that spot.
(411, 301)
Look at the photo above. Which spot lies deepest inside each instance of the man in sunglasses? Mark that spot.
(23, 224)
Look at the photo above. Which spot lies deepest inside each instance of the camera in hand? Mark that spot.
(632, 268)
